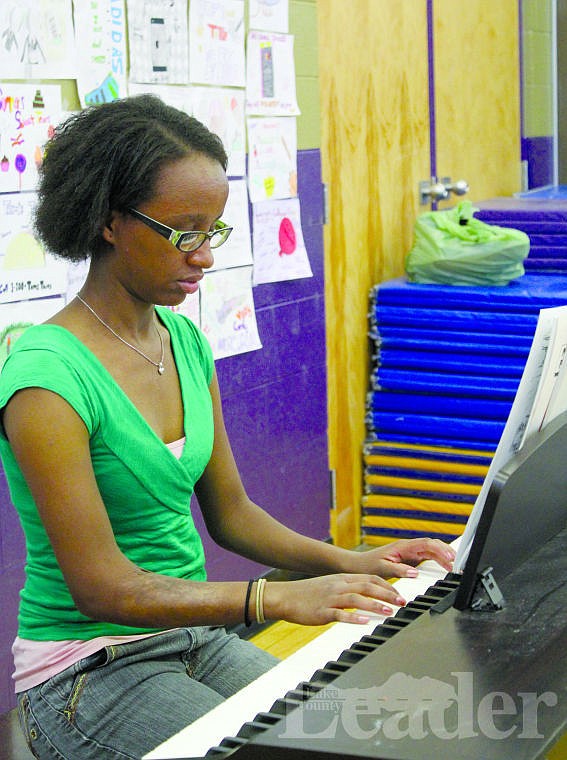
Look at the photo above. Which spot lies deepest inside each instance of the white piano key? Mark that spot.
(227, 718)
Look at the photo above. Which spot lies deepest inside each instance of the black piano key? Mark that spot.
(351, 656)
(226, 747)
(408, 613)
(333, 669)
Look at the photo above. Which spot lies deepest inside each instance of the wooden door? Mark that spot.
(373, 73)
(375, 148)
(477, 95)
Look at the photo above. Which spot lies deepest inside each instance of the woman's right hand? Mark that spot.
(330, 598)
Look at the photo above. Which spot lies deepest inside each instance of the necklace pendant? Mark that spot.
(160, 368)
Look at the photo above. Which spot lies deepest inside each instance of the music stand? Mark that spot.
(526, 506)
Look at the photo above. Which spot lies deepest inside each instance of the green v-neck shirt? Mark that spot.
(145, 488)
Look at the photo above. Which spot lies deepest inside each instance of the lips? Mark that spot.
(189, 286)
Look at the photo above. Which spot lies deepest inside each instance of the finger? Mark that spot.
(421, 549)
(369, 580)
(371, 596)
(399, 570)
(355, 616)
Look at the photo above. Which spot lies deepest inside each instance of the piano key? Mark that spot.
(226, 719)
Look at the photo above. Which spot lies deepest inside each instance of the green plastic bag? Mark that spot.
(454, 248)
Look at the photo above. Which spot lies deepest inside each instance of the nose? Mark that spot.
(202, 257)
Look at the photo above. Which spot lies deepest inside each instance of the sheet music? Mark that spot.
(541, 396)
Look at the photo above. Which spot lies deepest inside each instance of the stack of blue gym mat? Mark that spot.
(447, 362)
(542, 215)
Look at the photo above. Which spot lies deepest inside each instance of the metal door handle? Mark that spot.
(439, 190)
(432, 190)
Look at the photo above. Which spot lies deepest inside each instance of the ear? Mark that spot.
(107, 230)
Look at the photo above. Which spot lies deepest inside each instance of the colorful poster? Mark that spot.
(28, 114)
(270, 15)
(216, 42)
(270, 75)
(222, 110)
(26, 270)
(228, 316)
(36, 39)
(159, 41)
(237, 250)
(100, 31)
(279, 250)
(15, 318)
(272, 158)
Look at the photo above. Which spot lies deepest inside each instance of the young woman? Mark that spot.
(111, 419)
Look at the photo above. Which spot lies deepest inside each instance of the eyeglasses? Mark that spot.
(186, 242)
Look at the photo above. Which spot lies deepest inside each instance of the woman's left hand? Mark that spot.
(399, 559)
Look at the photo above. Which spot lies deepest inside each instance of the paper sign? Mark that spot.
(28, 114)
(271, 15)
(237, 250)
(270, 75)
(36, 39)
(216, 42)
(159, 41)
(26, 270)
(100, 31)
(222, 110)
(272, 158)
(279, 250)
(228, 317)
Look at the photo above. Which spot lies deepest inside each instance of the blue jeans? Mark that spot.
(122, 701)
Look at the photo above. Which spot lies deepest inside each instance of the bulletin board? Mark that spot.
(229, 63)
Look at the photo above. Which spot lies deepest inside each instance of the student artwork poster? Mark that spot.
(270, 15)
(222, 110)
(158, 39)
(37, 39)
(228, 315)
(270, 75)
(100, 33)
(216, 42)
(279, 250)
(272, 158)
(237, 251)
(26, 270)
(28, 115)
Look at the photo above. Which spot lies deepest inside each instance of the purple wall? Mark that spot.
(538, 152)
(274, 400)
(276, 412)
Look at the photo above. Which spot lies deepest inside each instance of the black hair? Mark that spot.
(107, 158)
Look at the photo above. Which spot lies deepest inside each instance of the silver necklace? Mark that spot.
(159, 365)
